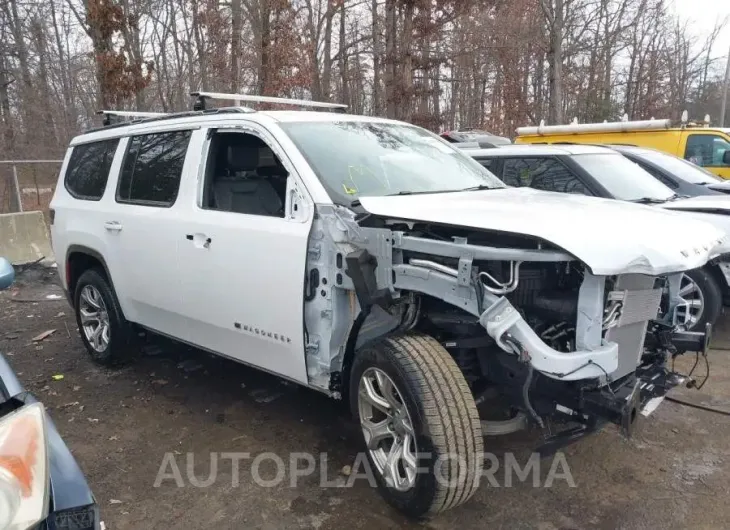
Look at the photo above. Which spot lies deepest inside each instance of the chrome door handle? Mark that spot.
(199, 240)
(113, 226)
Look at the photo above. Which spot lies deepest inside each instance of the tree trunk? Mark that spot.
(377, 55)
(405, 104)
(7, 119)
(236, 27)
(327, 51)
(343, 57)
(390, 58)
(264, 46)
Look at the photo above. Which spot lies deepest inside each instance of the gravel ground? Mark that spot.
(121, 424)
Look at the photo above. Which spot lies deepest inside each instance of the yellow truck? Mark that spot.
(697, 142)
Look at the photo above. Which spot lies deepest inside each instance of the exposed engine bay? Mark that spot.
(517, 315)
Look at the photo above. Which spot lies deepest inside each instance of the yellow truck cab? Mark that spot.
(697, 142)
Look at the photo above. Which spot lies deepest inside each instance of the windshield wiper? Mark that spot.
(649, 200)
(480, 187)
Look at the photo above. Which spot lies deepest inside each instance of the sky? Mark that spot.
(702, 15)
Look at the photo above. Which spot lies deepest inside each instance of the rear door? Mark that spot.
(142, 229)
(242, 258)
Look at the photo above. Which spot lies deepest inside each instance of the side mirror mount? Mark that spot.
(298, 207)
(726, 158)
(7, 274)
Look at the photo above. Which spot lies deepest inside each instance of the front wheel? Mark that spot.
(704, 300)
(420, 424)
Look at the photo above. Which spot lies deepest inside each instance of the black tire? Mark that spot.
(712, 295)
(445, 421)
(121, 348)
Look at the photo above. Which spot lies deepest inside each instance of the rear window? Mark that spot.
(88, 169)
(152, 168)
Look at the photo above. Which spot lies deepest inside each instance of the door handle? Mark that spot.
(199, 240)
(113, 226)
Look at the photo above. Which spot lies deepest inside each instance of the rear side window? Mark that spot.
(88, 169)
(152, 168)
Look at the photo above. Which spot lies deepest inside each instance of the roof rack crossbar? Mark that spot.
(202, 96)
(107, 114)
(130, 113)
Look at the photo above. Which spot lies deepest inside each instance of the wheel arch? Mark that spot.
(713, 269)
(80, 258)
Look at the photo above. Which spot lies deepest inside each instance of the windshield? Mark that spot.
(623, 178)
(360, 158)
(681, 169)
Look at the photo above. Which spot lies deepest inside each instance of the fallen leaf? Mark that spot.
(57, 377)
(43, 335)
(115, 501)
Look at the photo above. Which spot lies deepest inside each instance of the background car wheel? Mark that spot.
(704, 298)
(108, 337)
(420, 424)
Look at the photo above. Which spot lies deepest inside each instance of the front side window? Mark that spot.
(623, 179)
(546, 174)
(706, 150)
(88, 169)
(152, 168)
(360, 158)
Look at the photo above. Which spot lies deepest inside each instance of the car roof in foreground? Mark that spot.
(538, 150)
(161, 124)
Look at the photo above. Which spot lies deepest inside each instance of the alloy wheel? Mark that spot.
(690, 314)
(388, 429)
(94, 318)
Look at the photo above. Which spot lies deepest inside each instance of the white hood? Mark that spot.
(611, 237)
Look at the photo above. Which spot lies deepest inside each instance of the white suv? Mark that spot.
(370, 260)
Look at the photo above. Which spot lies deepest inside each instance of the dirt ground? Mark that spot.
(119, 424)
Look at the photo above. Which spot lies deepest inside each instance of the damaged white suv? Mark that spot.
(370, 260)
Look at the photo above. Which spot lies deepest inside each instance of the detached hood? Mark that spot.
(610, 237)
(723, 187)
(712, 209)
(704, 203)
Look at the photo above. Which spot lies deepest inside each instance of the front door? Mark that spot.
(242, 256)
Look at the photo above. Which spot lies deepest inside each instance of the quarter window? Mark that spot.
(152, 168)
(545, 174)
(88, 169)
(706, 150)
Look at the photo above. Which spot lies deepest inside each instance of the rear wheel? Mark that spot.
(420, 424)
(704, 300)
(105, 332)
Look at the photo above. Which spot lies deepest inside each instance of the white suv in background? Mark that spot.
(370, 260)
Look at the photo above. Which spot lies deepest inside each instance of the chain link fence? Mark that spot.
(27, 185)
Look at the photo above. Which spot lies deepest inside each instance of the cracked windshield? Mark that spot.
(356, 159)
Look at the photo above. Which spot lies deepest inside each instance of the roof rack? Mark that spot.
(127, 114)
(146, 117)
(203, 96)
